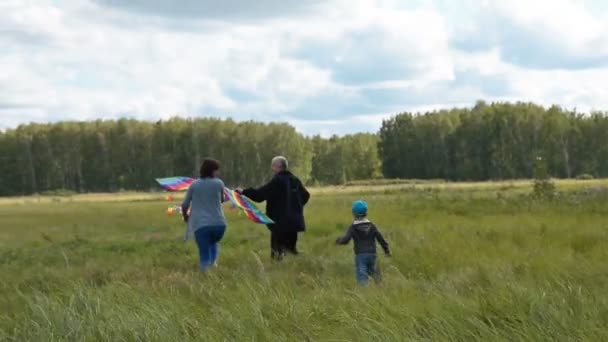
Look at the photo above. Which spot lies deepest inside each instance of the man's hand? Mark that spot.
(186, 217)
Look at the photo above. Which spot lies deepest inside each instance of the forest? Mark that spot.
(494, 141)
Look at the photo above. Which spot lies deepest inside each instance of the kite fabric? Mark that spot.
(253, 213)
(175, 183)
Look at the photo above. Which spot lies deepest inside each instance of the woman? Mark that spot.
(206, 220)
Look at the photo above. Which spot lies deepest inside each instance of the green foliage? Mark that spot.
(338, 160)
(59, 193)
(584, 176)
(494, 141)
(487, 142)
(466, 266)
(544, 187)
(387, 181)
(128, 154)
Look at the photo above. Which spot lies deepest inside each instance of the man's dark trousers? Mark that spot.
(282, 242)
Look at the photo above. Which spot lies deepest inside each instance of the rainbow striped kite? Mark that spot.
(253, 213)
(175, 183)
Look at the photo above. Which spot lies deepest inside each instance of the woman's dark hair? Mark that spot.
(209, 167)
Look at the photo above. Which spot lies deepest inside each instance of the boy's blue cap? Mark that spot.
(360, 208)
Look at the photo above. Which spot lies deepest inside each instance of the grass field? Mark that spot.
(472, 261)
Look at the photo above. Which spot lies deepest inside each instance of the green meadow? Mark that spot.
(471, 261)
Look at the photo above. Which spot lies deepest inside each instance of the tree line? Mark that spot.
(128, 154)
(487, 141)
(494, 141)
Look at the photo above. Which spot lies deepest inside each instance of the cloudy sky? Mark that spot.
(333, 66)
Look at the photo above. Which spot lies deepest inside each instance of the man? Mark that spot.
(285, 198)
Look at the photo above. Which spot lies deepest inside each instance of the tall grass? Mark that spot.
(489, 264)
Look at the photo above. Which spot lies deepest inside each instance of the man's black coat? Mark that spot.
(285, 198)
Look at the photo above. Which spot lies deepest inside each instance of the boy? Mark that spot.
(365, 234)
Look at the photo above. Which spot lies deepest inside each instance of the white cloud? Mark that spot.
(540, 34)
(338, 66)
(564, 22)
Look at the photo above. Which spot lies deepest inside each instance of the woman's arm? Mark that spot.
(223, 196)
(186, 203)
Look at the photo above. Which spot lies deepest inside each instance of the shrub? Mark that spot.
(543, 185)
(59, 193)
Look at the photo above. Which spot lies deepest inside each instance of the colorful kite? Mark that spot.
(183, 183)
(175, 183)
(253, 213)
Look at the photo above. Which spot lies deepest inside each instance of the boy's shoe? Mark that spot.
(377, 275)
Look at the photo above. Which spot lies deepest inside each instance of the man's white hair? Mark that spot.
(280, 161)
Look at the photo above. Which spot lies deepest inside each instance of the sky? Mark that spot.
(325, 66)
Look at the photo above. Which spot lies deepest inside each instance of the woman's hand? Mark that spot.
(239, 190)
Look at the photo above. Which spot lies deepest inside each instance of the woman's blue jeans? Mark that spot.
(207, 239)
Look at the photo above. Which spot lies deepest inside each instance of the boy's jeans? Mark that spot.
(365, 265)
